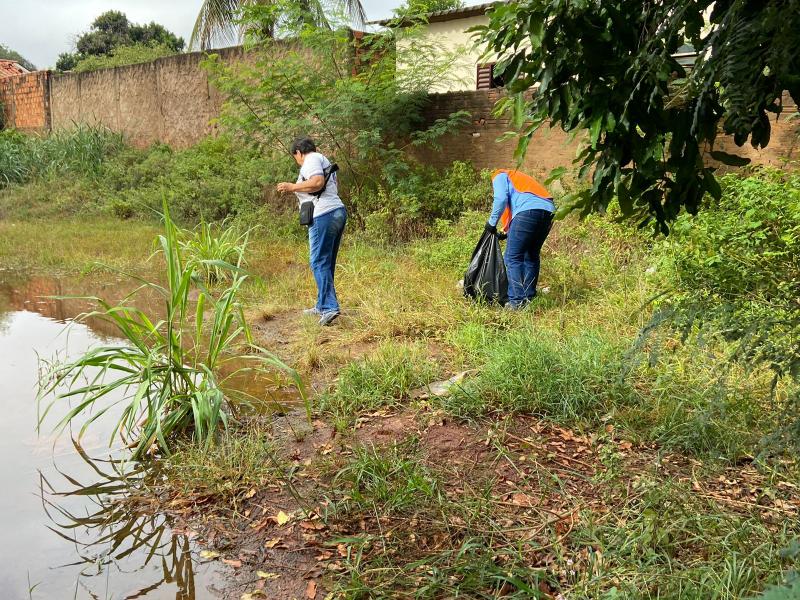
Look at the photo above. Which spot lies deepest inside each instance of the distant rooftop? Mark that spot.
(445, 15)
(10, 68)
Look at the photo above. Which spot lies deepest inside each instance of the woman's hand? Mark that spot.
(285, 186)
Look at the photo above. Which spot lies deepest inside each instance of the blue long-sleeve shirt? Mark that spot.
(504, 193)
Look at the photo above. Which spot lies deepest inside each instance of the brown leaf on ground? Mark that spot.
(232, 562)
(311, 590)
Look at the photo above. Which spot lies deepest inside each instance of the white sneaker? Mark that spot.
(311, 312)
(328, 317)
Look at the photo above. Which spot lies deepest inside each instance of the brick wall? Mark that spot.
(552, 148)
(25, 101)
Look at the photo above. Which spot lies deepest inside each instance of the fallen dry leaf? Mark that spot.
(272, 543)
(208, 554)
(250, 493)
(317, 525)
(232, 562)
(311, 590)
(282, 518)
(267, 576)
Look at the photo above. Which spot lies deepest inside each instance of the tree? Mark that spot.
(112, 34)
(420, 8)
(607, 68)
(112, 29)
(220, 21)
(9, 54)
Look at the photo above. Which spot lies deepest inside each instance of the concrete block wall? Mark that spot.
(25, 101)
(168, 100)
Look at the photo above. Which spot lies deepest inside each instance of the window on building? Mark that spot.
(488, 79)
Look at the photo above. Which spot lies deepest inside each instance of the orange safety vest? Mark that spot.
(524, 184)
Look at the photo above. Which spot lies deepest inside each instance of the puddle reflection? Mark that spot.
(116, 542)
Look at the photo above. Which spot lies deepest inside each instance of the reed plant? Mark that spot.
(166, 372)
(207, 247)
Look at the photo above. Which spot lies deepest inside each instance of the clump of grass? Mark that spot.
(244, 459)
(538, 372)
(165, 375)
(381, 379)
(390, 480)
(81, 151)
(211, 250)
(665, 538)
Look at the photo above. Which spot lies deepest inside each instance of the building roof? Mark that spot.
(444, 15)
(10, 68)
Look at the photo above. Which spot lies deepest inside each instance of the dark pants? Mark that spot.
(324, 237)
(529, 230)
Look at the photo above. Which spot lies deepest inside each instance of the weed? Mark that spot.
(379, 380)
(390, 481)
(168, 368)
(243, 459)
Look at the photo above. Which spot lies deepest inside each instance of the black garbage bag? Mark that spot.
(486, 277)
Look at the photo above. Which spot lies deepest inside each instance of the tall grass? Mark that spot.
(209, 249)
(165, 372)
(80, 151)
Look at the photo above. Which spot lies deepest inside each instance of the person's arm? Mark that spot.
(500, 189)
(311, 185)
(314, 177)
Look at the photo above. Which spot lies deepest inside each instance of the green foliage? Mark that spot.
(243, 459)
(220, 21)
(121, 43)
(211, 249)
(381, 379)
(737, 274)
(363, 112)
(652, 541)
(121, 56)
(421, 8)
(166, 375)
(208, 181)
(7, 53)
(574, 379)
(386, 480)
(607, 69)
(112, 29)
(81, 151)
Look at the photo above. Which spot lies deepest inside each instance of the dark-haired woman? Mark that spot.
(325, 233)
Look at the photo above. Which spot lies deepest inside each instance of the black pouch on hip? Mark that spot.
(307, 213)
(307, 207)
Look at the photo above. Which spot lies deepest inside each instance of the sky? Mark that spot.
(40, 30)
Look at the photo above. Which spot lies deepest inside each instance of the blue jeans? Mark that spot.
(324, 237)
(529, 230)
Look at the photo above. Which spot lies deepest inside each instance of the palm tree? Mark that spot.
(216, 22)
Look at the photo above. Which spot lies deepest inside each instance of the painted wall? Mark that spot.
(453, 39)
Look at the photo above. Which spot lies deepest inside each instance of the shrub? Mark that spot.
(736, 276)
(123, 55)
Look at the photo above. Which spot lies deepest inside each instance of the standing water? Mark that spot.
(61, 534)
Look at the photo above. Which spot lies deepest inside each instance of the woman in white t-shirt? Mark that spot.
(325, 233)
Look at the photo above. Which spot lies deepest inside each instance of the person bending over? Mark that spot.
(525, 210)
(325, 232)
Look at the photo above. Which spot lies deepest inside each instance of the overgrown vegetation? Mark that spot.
(561, 458)
(166, 376)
